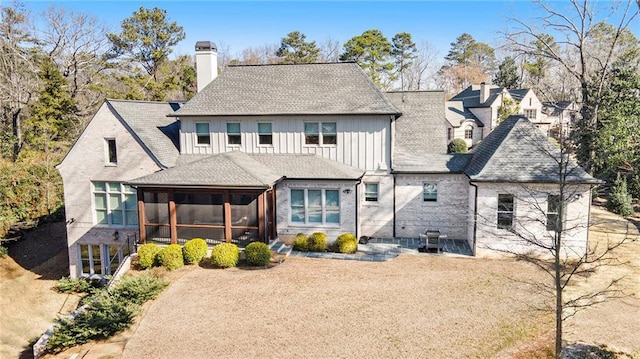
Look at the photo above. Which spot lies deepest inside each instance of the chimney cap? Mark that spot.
(205, 46)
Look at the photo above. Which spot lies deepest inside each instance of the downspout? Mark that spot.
(394, 205)
(475, 215)
(357, 209)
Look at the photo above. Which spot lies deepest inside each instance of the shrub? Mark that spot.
(458, 145)
(4, 251)
(300, 243)
(194, 250)
(225, 255)
(73, 285)
(139, 289)
(346, 243)
(170, 257)
(317, 242)
(620, 199)
(147, 255)
(257, 254)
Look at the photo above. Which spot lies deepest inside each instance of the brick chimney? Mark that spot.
(484, 92)
(206, 63)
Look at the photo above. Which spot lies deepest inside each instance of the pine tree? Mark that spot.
(620, 199)
(403, 51)
(294, 49)
(371, 51)
(507, 75)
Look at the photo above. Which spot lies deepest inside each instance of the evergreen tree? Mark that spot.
(620, 199)
(403, 51)
(294, 49)
(371, 51)
(507, 75)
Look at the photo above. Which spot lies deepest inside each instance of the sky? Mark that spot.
(236, 25)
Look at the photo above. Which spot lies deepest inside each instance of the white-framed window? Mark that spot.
(265, 135)
(371, 192)
(553, 207)
(324, 133)
(315, 206)
(203, 134)
(115, 204)
(89, 260)
(505, 211)
(430, 192)
(530, 113)
(111, 152)
(233, 134)
(468, 132)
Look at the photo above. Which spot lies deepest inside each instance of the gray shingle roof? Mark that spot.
(295, 89)
(149, 123)
(456, 114)
(471, 95)
(239, 169)
(432, 163)
(421, 128)
(516, 151)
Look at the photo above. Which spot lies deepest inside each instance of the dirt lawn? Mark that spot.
(413, 306)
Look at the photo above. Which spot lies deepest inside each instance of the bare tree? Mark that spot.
(423, 69)
(330, 50)
(583, 50)
(18, 80)
(550, 228)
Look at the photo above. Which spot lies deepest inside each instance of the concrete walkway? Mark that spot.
(378, 249)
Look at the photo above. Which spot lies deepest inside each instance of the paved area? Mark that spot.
(380, 249)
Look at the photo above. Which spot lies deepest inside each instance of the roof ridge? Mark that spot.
(243, 164)
(293, 64)
(377, 90)
(144, 101)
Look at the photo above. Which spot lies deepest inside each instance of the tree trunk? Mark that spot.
(559, 304)
(17, 133)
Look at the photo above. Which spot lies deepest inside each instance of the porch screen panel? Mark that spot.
(200, 208)
(244, 210)
(156, 211)
(211, 235)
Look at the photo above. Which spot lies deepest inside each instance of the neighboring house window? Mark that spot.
(115, 204)
(448, 134)
(265, 136)
(112, 151)
(530, 113)
(468, 132)
(313, 136)
(430, 192)
(89, 259)
(553, 206)
(505, 211)
(233, 133)
(203, 133)
(320, 206)
(371, 192)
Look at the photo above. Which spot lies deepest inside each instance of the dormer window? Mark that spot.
(111, 151)
(203, 134)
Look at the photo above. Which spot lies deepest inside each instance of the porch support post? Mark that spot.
(141, 226)
(172, 219)
(227, 217)
(261, 231)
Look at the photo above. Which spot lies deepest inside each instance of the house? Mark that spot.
(269, 151)
(561, 115)
(474, 113)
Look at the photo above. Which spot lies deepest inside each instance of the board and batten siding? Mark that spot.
(363, 142)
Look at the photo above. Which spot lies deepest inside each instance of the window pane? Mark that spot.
(233, 128)
(100, 186)
(128, 189)
(132, 217)
(265, 139)
(202, 128)
(430, 192)
(505, 220)
(84, 259)
(114, 187)
(505, 203)
(113, 154)
(311, 128)
(297, 197)
(333, 216)
(116, 217)
(315, 214)
(131, 202)
(97, 263)
(328, 128)
(114, 201)
(101, 216)
(332, 198)
(315, 198)
(553, 203)
(264, 128)
(371, 192)
(297, 214)
(100, 201)
(311, 134)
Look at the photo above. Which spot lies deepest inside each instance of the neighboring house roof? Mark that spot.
(290, 89)
(471, 95)
(516, 151)
(150, 125)
(239, 169)
(421, 128)
(555, 108)
(456, 114)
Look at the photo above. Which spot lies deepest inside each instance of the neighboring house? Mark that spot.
(271, 151)
(473, 113)
(561, 116)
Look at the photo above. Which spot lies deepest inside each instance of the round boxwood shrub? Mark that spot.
(225, 255)
(194, 250)
(300, 243)
(147, 255)
(346, 243)
(458, 145)
(170, 257)
(257, 254)
(317, 242)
